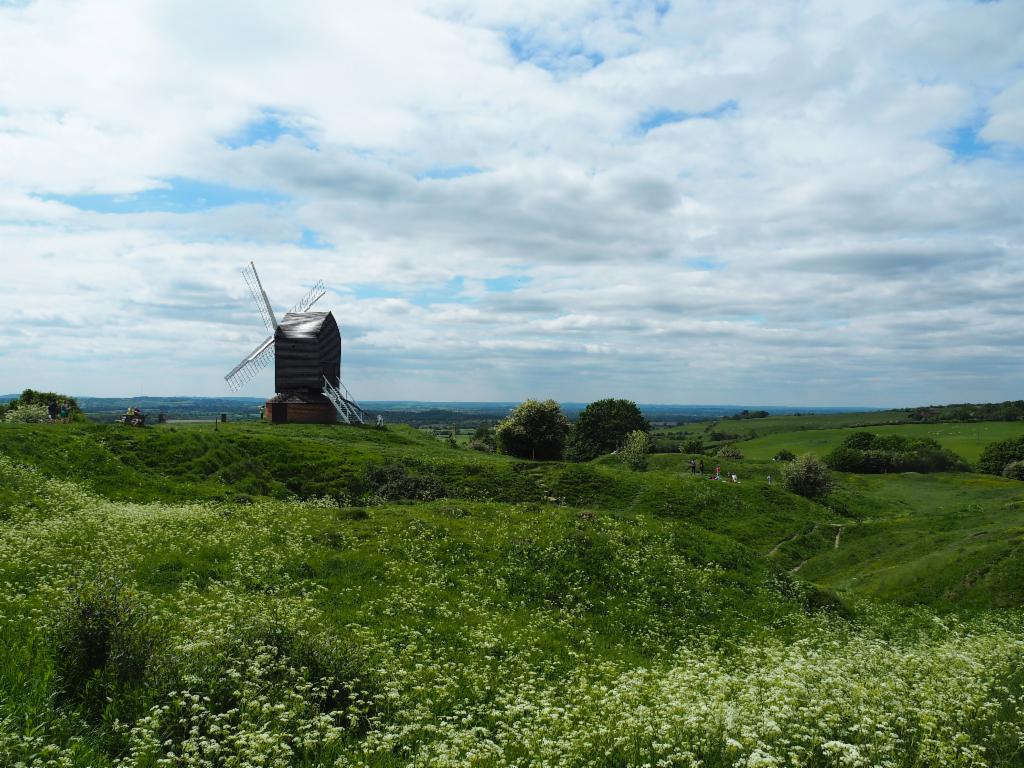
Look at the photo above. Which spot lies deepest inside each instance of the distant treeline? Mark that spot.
(744, 414)
(108, 409)
(432, 415)
(1011, 410)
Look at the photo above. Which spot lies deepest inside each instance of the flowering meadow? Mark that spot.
(287, 632)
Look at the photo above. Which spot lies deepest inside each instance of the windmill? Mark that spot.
(306, 349)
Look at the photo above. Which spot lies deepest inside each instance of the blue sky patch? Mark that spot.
(448, 172)
(664, 116)
(368, 291)
(506, 283)
(526, 48)
(706, 265)
(311, 239)
(179, 195)
(964, 142)
(266, 130)
(450, 292)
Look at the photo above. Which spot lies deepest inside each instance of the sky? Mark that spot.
(792, 203)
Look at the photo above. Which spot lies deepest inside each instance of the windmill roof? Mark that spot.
(303, 324)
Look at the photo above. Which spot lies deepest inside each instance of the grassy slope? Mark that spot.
(937, 539)
(545, 583)
(498, 606)
(942, 539)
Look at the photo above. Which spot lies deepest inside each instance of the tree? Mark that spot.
(784, 455)
(484, 434)
(866, 453)
(534, 430)
(998, 455)
(808, 476)
(42, 399)
(483, 439)
(693, 445)
(602, 426)
(635, 449)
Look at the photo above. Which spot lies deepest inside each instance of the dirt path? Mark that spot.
(839, 535)
(789, 539)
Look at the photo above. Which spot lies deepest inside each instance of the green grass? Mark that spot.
(944, 540)
(539, 614)
(745, 428)
(967, 440)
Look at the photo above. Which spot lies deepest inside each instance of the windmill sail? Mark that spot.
(313, 295)
(259, 296)
(263, 355)
(252, 364)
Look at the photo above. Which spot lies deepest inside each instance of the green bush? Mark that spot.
(603, 425)
(868, 453)
(729, 452)
(861, 441)
(34, 398)
(28, 414)
(1014, 470)
(483, 436)
(693, 445)
(393, 482)
(103, 640)
(808, 476)
(634, 452)
(534, 430)
(784, 455)
(997, 455)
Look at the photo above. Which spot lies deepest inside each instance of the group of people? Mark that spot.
(698, 467)
(58, 412)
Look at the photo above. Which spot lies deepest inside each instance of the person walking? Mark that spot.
(701, 466)
(693, 466)
(64, 412)
(52, 410)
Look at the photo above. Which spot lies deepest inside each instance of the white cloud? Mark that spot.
(821, 238)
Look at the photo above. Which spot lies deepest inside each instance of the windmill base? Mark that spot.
(300, 409)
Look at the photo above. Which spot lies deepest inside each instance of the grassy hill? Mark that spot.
(967, 439)
(307, 595)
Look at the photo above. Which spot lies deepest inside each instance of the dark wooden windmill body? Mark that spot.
(306, 348)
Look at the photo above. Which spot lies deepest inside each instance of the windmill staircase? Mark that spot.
(347, 408)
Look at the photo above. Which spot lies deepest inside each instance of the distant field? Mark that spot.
(967, 440)
(745, 428)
